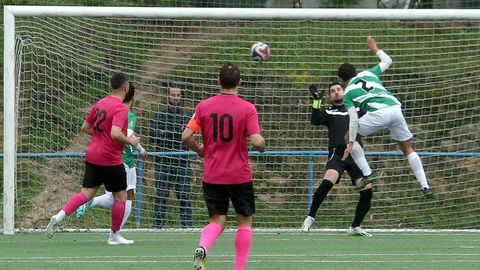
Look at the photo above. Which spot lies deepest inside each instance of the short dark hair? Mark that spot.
(332, 84)
(346, 72)
(130, 93)
(229, 76)
(118, 79)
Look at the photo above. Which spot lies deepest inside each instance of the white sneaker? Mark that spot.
(358, 231)
(307, 223)
(116, 239)
(52, 227)
(199, 258)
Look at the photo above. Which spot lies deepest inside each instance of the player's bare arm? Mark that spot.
(372, 44)
(87, 128)
(188, 137)
(117, 135)
(385, 60)
(258, 142)
(352, 131)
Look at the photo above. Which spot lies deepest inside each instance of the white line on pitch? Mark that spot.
(250, 261)
(252, 256)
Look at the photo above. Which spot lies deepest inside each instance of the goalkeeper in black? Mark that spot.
(335, 118)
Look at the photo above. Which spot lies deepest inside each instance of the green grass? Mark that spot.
(269, 251)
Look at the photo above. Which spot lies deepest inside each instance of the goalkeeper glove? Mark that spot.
(317, 96)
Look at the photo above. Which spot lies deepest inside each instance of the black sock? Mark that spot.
(319, 196)
(363, 206)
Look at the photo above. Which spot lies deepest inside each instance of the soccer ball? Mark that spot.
(260, 51)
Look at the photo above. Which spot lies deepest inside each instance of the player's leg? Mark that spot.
(243, 199)
(105, 201)
(91, 182)
(364, 202)
(243, 241)
(131, 190)
(182, 191)
(216, 199)
(116, 182)
(162, 192)
(400, 132)
(334, 169)
(417, 167)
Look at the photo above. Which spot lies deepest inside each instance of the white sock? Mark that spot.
(417, 168)
(128, 209)
(60, 216)
(358, 156)
(105, 201)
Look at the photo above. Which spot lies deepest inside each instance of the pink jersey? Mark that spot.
(103, 149)
(226, 122)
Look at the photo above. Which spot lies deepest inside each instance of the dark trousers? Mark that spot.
(166, 176)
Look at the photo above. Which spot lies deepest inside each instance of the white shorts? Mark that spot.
(131, 179)
(390, 117)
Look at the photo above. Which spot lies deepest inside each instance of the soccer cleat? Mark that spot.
(83, 209)
(365, 181)
(52, 227)
(358, 231)
(427, 192)
(116, 239)
(199, 258)
(307, 223)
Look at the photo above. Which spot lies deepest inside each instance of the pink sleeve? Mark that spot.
(91, 116)
(120, 118)
(253, 127)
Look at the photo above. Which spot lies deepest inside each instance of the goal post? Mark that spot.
(186, 46)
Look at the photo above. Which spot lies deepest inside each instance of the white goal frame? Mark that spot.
(10, 76)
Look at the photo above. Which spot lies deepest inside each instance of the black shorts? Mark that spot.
(113, 177)
(335, 162)
(217, 198)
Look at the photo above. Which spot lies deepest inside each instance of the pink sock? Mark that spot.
(243, 242)
(210, 233)
(118, 210)
(75, 201)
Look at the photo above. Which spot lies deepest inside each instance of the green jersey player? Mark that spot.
(365, 90)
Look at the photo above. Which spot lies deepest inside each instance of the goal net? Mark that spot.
(63, 65)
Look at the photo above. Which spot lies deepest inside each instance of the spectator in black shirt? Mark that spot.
(166, 131)
(336, 119)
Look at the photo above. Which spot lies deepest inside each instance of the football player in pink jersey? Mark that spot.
(107, 123)
(226, 123)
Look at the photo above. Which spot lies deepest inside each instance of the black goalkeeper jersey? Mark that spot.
(335, 117)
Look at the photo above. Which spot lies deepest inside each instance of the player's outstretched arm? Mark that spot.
(188, 137)
(385, 60)
(258, 142)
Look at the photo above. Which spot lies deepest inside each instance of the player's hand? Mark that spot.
(133, 140)
(316, 95)
(144, 154)
(372, 44)
(200, 150)
(347, 151)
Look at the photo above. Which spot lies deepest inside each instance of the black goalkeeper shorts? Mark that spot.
(335, 163)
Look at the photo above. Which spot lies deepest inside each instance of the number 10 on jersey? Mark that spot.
(222, 125)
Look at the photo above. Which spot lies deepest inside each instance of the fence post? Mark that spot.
(310, 181)
(138, 210)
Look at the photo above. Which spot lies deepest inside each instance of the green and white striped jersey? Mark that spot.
(127, 155)
(366, 91)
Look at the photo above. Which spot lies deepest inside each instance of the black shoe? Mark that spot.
(427, 192)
